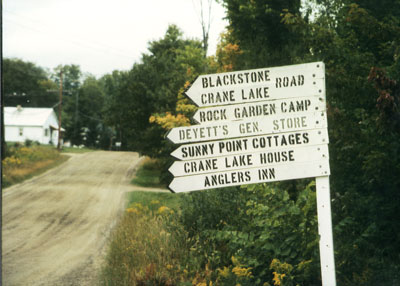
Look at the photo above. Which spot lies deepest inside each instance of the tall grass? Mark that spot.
(149, 174)
(168, 199)
(23, 162)
(148, 247)
(76, 150)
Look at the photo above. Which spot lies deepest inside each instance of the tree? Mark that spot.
(71, 77)
(257, 28)
(352, 40)
(152, 87)
(359, 44)
(228, 54)
(27, 85)
(87, 125)
(112, 84)
(205, 12)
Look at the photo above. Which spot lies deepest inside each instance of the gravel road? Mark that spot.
(55, 226)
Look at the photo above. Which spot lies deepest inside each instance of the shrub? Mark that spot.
(256, 224)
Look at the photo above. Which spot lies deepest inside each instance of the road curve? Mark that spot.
(55, 226)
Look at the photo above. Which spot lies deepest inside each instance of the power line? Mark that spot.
(84, 115)
(24, 18)
(92, 45)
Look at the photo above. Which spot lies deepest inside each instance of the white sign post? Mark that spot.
(325, 231)
(269, 125)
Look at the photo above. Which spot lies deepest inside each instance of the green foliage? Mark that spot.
(76, 150)
(272, 229)
(364, 150)
(262, 36)
(83, 103)
(26, 84)
(152, 86)
(149, 174)
(148, 199)
(359, 44)
(83, 106)
(257, 224)
(147, 248)
(71, 77)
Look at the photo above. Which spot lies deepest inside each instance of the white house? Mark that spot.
(36, 124)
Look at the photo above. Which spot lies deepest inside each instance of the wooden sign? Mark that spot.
(250, 176)
(259, 109)
(271, 125)
(251, 144)
(258, 84)
(284, 156)
(232, 129)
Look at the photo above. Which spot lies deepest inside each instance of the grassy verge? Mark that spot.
(24, 162)
(76, 150)
(148, 246)
(146, 198)
(148, 174)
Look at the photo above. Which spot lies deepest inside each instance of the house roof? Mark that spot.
(26, 116)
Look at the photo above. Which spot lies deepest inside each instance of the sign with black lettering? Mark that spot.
(232, 129)
(251, 144)
(259, 109)
(270, 173)
(271, 125)
(250, 160)
(257, 85)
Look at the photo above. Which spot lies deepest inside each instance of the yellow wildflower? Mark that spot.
(163, 210)
(235, 261)
(241, 271)
(278, 278)
(152, 119)
(224, 272)
(133, 210)
(169, 121)
(11, 161)
(186, 85)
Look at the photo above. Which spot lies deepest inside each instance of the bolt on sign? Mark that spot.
(258, 126)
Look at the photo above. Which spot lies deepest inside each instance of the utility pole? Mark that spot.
(60, 90)
(59, 112)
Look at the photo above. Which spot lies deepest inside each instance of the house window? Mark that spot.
(21, 131)
(46, 132)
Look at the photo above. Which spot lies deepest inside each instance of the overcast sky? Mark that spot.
(98, 35)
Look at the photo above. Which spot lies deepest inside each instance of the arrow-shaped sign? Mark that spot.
(258, 84)
(250, 176)
(259, 109)
(251, 144)
(233, 129)
(285, 156)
